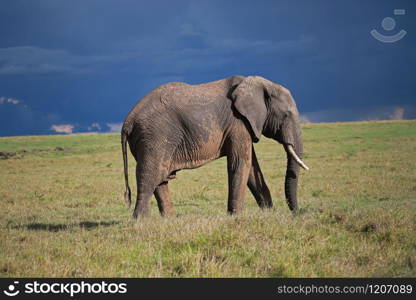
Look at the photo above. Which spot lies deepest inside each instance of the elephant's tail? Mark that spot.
(127, 193)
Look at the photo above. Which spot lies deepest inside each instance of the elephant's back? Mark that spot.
(153, 102)
(178, 98)
(183, 94)
(174, 94)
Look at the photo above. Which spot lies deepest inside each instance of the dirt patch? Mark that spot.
(59, 148)
(369, 227)
(21, 153)
(7, 155)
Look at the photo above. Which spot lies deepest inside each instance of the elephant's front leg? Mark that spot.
(257, 184)
(238, 164)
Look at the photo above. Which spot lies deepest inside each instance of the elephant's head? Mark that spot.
(270, 110)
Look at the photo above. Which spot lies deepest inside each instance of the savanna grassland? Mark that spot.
(62, 212)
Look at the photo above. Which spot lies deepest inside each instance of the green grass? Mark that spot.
(62, 213)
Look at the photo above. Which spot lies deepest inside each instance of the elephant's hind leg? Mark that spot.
(163, 200)
(147, 181)
(257, 184)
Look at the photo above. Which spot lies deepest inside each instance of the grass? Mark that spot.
(62, 213)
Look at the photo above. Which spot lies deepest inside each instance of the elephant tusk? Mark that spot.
(296, 157)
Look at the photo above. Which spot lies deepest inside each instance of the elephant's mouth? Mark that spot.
(289, 149)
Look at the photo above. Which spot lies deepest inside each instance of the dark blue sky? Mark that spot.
(75, 66)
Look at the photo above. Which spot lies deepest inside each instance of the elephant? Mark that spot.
(181, 126)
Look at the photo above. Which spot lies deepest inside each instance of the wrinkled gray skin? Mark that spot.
(180, 126)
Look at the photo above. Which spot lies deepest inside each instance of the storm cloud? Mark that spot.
(89, 62)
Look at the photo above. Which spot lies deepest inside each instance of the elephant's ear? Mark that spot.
(249, 101)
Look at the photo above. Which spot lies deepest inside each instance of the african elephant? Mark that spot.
(180, 126)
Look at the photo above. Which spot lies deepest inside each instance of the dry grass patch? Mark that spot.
(63, 214)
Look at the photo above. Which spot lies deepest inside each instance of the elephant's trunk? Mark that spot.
(294, 154)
